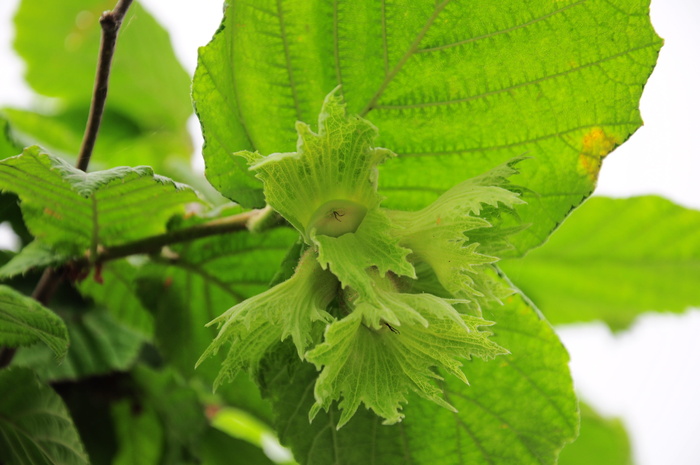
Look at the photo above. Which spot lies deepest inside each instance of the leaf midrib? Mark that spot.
(409, 53)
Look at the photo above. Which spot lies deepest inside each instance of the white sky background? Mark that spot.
(649, 375)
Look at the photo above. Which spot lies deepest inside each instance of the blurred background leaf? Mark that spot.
(146, 117)
(99, 345)
(614, 259)
(602, 441)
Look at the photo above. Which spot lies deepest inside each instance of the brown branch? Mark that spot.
(110, 22)
(153, 244)
(242, 222)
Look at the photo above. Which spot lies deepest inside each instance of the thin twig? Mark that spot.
(154, 244)
(110, 22)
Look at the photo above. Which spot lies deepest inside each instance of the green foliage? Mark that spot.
(379, 368)
(145, 122)
(24, 321)
(9, 210)
(358, 271)
(36, 255)
(74, 212)
(337, 163)
(193, 286)
(35, 427)
(178, 410)
(122, 141)
(141, 95)
(613, 259)
(494, 425)
(446, 82)
(386, 292)
(98, 346)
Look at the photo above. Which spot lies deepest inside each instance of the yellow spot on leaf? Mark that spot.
(596, 145)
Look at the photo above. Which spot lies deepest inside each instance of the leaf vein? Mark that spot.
(288, 60)
(409, 53)
(512, 144)
(515, 86)
(502, 31)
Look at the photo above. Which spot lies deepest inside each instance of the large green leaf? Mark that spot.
(75, 212)
(455, 88)
(613, 259)
(99, 345)
(35, 427)
(602, 441)
(519, 408)
(24, 321)
(147, 83)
